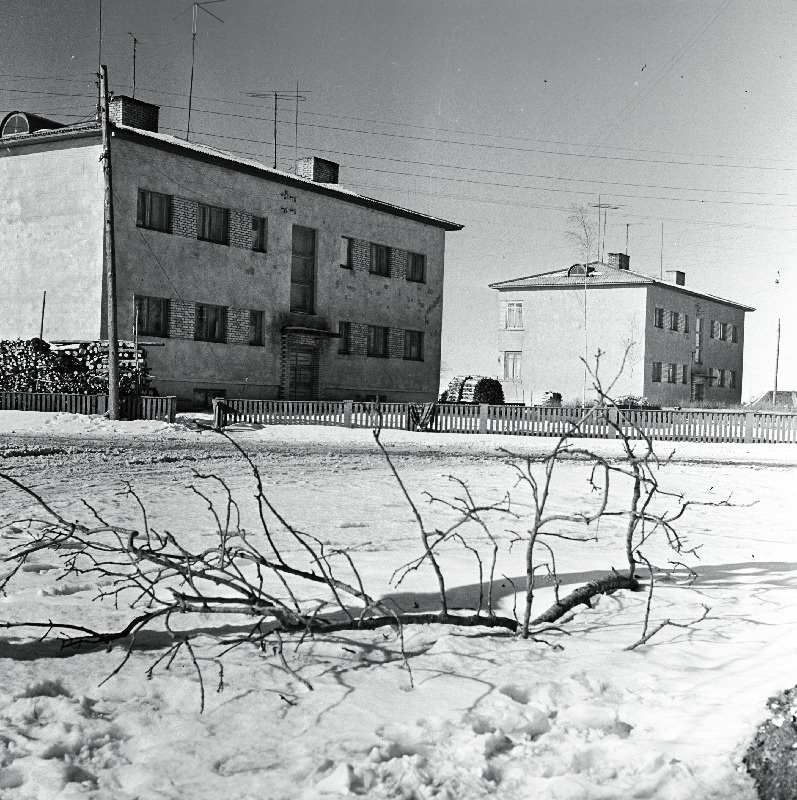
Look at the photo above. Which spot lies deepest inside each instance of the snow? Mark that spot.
(487, 714)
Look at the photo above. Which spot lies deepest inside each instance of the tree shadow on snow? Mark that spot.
(749, 573)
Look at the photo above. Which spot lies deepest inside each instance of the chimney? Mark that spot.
(123, 110)
(317, 169)
(678, 277)
(619, 260)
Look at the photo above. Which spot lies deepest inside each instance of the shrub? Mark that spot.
(490, 391)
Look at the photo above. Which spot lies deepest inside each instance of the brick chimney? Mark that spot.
(124, 110)
(317, 169)
(619, 260)
(678, 277)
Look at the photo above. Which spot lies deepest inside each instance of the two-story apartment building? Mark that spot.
(252, 282)
(656, 339)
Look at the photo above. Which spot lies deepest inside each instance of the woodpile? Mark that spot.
(79, 368)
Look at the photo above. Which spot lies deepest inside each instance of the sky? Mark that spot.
(498, 115)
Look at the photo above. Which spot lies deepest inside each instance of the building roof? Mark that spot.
(223, 158)
(602, 275)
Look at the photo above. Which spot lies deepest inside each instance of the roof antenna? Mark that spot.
(291, 95)
(135, 42)
(194, 7)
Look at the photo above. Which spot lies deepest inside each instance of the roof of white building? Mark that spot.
(233, 161)
(603, 275)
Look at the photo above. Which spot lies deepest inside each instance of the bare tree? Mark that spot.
(268, 573)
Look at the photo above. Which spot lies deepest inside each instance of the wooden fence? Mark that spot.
(692, 425)
(161, 408)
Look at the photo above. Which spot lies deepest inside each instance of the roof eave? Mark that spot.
(283, 178)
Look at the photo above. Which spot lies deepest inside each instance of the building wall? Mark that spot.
(667, 346)
(51, 239)
(552, 341)
(188, 271)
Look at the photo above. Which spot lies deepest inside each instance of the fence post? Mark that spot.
(219, 417)
(614, 417)
(347, 413)
(749, 425)
(484, 411)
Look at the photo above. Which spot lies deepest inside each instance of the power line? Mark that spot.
(502, 172)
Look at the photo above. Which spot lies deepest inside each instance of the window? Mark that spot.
(211, 323)
(714, 376)
(377, 341)
(674, 315)
(152, 316)
(686, 323)
(513, 319)
(512, 364)
(714, 330)
(672, 373)
(684, 373)
(416, 267)
(698, 352)
(256, 328)
(732, 380)
(259, 234)
(380, 260)
(154, 211)
(213, 224)
(724, 332)
(657, 372)
(735, 333)
(303, 270)
(346, 252)
(413, 345)
(344, 343)
(658, 317)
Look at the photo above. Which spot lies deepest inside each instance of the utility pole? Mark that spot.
(109, 263)
(661, 254)
(99, 62)
(194, 7)
(777, 360)
(41, 326)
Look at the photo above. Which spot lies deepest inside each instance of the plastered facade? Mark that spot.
(176, 266)
(637, 355)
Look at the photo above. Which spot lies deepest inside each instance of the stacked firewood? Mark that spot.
(79, 368)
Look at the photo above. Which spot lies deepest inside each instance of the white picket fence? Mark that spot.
(692, 425)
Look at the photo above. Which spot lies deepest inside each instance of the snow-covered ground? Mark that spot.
(490, 715)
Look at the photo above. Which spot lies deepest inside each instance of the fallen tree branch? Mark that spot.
(667, 623)
(583, 595)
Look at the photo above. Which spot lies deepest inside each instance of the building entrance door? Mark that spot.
(303, 374)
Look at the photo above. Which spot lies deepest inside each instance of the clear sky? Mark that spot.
(498, 115)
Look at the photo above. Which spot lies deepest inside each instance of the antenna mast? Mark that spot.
(294, 95)
(135, 42)
(194, 8)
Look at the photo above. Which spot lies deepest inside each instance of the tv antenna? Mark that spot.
(602, 207)
(135, 42)
(298, 96)
(194, 7)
